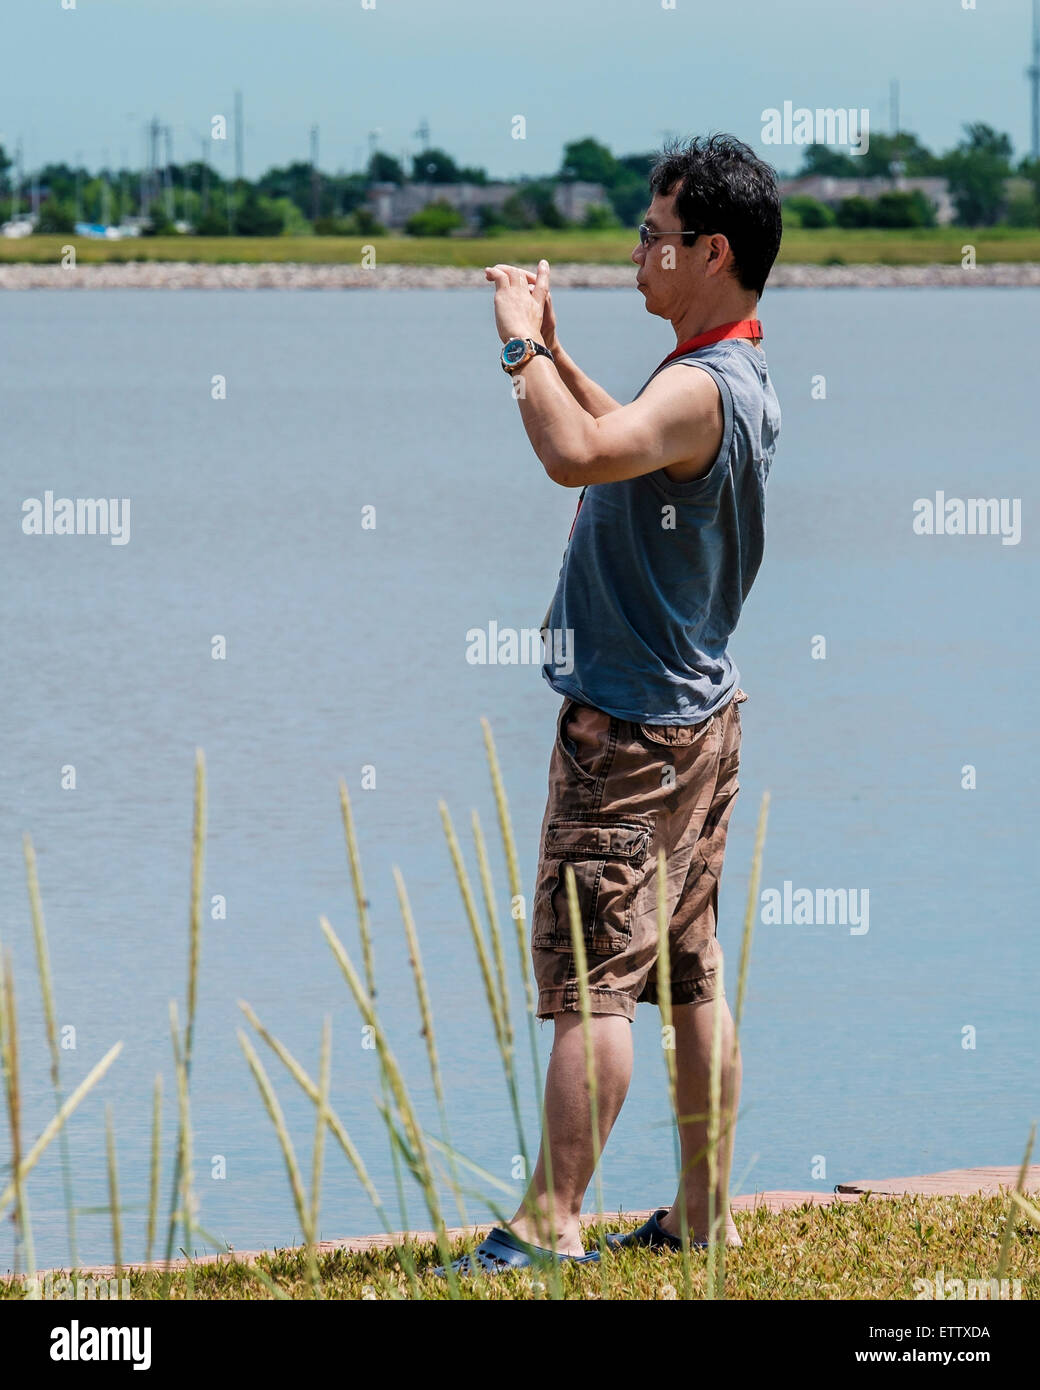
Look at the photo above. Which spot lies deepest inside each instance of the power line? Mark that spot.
(1033, 73)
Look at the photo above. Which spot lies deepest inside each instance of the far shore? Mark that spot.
(176, 275)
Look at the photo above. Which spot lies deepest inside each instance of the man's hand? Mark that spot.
(520, 300)
(548, 317)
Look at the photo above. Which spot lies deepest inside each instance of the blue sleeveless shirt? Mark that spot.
(655, 572)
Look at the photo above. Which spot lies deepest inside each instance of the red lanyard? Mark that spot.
(743, 328)
(746, 328)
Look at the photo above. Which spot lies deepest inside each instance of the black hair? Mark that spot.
(721, 185)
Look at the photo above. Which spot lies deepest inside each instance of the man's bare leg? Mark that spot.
(568, 1125)
(693, 1028)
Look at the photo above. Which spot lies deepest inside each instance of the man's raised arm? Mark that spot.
(588, 393)
(675, 425)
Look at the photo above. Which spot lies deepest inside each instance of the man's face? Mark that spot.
(665, 267)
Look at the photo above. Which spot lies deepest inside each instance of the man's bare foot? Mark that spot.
(671, 1225)
(568, 1240)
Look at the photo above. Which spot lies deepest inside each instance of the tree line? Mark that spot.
(297, 199)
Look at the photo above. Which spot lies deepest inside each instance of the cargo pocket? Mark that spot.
(607, 855)
(676, 735)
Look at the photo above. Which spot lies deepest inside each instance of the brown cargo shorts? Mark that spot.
(618, 793)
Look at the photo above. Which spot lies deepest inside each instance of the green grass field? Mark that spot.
(925, 246)
(869, 1249)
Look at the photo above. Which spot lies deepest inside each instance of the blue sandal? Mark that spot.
(653, 1234)
(501, 1250)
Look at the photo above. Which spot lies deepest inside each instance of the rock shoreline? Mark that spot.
(183, 275)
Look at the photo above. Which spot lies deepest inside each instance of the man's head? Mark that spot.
(726, 201)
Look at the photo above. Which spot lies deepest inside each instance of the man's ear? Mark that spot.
(719, 253)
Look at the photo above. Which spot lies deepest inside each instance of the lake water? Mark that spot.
(346, 650)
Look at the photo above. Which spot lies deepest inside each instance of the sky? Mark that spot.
(79, 83)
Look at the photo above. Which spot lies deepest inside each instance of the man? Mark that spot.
(666, 543)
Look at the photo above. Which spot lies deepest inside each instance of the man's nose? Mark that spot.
(638, 253)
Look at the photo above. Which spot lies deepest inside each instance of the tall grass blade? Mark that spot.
(507, 1044)
(664, 997)
(198, 854)
(472, 917)
(182, 1208)
(321, 1122)
(43, 968)
(53, 1126)
(12, 1089)
(340, 1134)
(517, 912)
(519, 916)
(368, 963)
(1009, 1225)
(581, 969)
(716, 1262)
(274, 1111)
(113, 1193)
(426, 1017)
(422, 1171)
(154, 1170)
(721, 1128)
(497, 1005)
(198, 849)
(750, 912)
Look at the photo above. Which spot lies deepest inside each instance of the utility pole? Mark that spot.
(896, 165)
(1033, 73)
(240, 138)
(171, 208)
(16, 187)
(149, 178)
(423, 134)
(315, 176)
(203, 176)
(106, 195)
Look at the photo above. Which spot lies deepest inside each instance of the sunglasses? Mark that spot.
(646, 236)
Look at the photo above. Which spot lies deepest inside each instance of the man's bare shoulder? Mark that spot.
(693, 404)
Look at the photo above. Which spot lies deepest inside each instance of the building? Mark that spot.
(827, 189)
(393, 204)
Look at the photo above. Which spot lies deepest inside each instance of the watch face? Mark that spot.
(514, 350)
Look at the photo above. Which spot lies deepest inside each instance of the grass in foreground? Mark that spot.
(826, 245)
(869, 1249)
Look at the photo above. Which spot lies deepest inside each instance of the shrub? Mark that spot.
(810, 211)
(855, 212)
(364, 222)
(598, 217)
(55, 220)
(899, 208)
(1023, 211)
(435, 219)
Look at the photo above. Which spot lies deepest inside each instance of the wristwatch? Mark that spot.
(519, 351)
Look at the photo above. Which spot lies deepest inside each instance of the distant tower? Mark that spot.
(423, 134)
(1033, 72)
